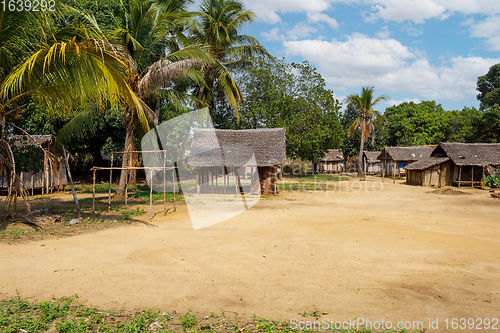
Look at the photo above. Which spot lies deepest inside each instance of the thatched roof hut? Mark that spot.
(395, 159)
(234, 148)
(454, 163)
(53, 172)
(477, 154)
(371, 162)
(332, 162)
(214, 151)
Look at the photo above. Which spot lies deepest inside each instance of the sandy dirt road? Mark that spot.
(387, 251)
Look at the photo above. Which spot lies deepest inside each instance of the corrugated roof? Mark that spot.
(407, 153)
(478, 154)
(333, 155)
(372, 156)
(236, 147)
(426, 163)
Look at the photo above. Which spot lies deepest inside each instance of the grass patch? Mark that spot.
(69, 314)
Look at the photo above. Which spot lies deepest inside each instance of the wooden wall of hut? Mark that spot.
(330, 167)
(438, 175)
(46, 179)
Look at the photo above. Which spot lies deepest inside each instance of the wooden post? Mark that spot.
(472, 177)
(150, 193)
(93, 191)
(236, 179)
(459, 175)
(440, 177)
(198, 181)
(110, 182)
(164, 182)
(78, 210)
(174, 180)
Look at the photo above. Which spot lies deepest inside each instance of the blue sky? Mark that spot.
(410, 50)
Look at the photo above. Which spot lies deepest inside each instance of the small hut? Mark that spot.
(371, 163)
(219, 151)
(332, 162)
(395, 159)
(455, 164)
(53, 170)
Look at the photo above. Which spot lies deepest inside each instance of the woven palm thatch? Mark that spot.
(372, 156)
(333, 155)
(236, 148)
(426, 163)
(406, 153)
(473, 154)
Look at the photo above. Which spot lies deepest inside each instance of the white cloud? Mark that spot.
(392, 102)
(316, 17)
(390, 66)
(300, 30)
(489, 29)
(384, 33)
(272, 35)
(267, 10)
(407, 10)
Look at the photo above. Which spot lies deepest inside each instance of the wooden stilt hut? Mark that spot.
(453, 163)
(230, 154)
(395, 159)
(371, 162)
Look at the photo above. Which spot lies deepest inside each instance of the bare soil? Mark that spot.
(380, 251)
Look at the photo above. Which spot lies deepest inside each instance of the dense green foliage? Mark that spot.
(488, 86)
(293, 96)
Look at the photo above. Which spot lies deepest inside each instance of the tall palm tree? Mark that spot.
(364, 104)
(218, 27)
(150, 37)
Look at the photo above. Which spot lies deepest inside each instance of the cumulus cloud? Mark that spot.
(390, 66)
(267, 10)
(321, 17)
(489, 29)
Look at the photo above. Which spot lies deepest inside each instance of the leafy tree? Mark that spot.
(293, 96)
(364, 104)
(488, 86)
(412, 124)
(488, 125)
(462, 125)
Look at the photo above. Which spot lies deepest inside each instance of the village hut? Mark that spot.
(371, 163)
(221, 152)
(332, 162)
(395, 159)
(455, 164)
(51, 172)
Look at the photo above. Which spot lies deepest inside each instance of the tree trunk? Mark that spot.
(361, 148)
(128, 158)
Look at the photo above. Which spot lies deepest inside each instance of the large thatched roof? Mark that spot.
(372, 156)
(426, 163)
(477, 154)
(406, 153)
(236, 147)
(333, 155)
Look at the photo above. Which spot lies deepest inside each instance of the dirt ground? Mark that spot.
(373, 250)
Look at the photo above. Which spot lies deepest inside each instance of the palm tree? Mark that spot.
(218, 26)
(150, 39)
(61, 69)
(364, 103)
